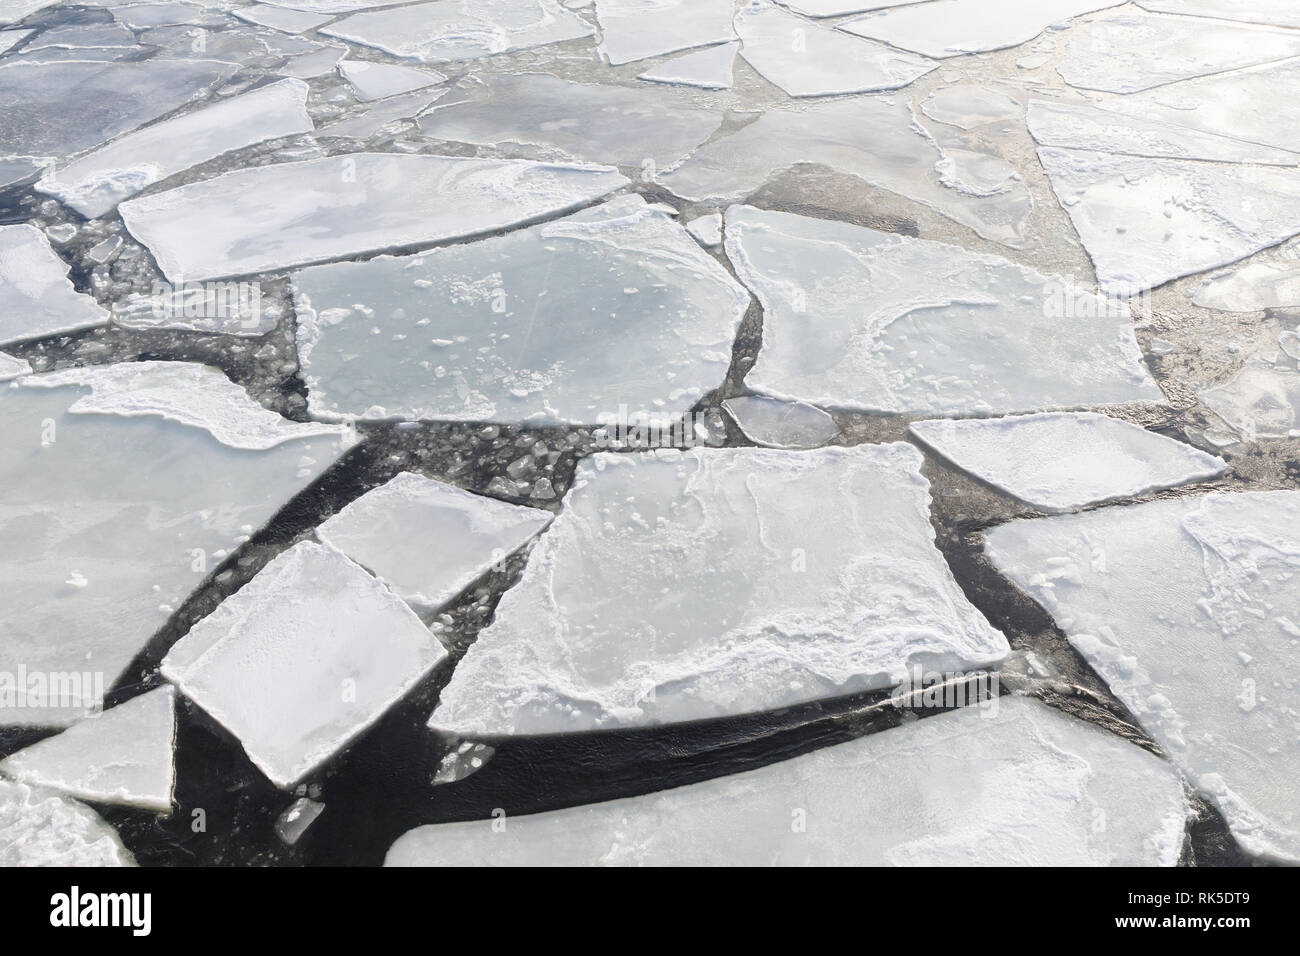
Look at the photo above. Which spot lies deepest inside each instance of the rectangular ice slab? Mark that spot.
(536, 325)
(636, 29)
(36, 297)
(275, 217)
(856, 318)
(1019, 785)
(302, 659)
(1190, 610)
(1059, 461)
(94, 184)
(676, 586)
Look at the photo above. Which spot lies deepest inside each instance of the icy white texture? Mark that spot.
(427, 540)
(108, 522)
(364, 125)
(944, 28)
(374, 81)
(535, 325)
(1190, 610)
(1251, 287)
(1282, 13)
(636, 29)
(11, 38)
(452, 30)
(707, 230)
(39, 828)
(142, 16)
(11, 11)
(778, 424)
(76, 36)
(835, 8)
(94, 184)
(1261, 401)
(302, 659)
(1022, 785)
(278, 18)
(968, 106)
(36, 297)
(12, 368)
(709, 69)
(14, 171)
(313, 63)
(808, 59)
(124, 756)
(857, 318)
(682, 585)
(333, 7)
(275, 217)
(296, 820)
(605, 124)
(1060, 462)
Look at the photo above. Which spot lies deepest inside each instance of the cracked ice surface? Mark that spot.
(39, 828)
(1251, 287)
(12, 368)
(390, 110)
(278, 18)
(968, 106)
(302, 659)
(428, 540)
(374, 81)
(944, 331)
(1059, 462)
(124, 756)
(1189, 609)
(1282, 13)
(110, 520)
(825, 562)
(1018, 785)
(637, 29)
(276, 217)
(36, 297)
(532, 326)
(1261, 401)
(709, 69)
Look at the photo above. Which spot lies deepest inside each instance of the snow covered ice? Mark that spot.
(710, 68)
(636, 29)
(40, 828)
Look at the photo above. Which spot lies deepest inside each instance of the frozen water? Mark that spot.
(296, 820)
(427, 540)
(142, 16)
(94, 184)
(11, 11)
(709, 69)
(14, 171)
(707, 230)
(682, 585)
(381, 114)
(531, 326)
(1261, 401)
(39, 828)
(1282, 13)
(778, 424)
(124, 756)
(374, 81)
(333, 7)
(36, 297)
(835, 8)
(76, 36)
(11, 38)
(1190, 610)
(637, 29)
(1019, 785)
(864, 319)
(452, 30)
(1060, 462)
(968, 106)
(314, 63)
(278, 18)
(1251, 286)
(275, 217)
(12, 368)
(808, 59)
(302, 659)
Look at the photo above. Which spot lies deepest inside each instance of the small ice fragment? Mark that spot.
(709, 69)
(294, 822)
(374, 81)
(707, 230)
(777, 424)
(36, 297)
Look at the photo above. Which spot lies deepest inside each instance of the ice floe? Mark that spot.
(278, 18)
(1282, 13)
(1018, 785)
(1190, 610)
(778, 424)
(374, 81)
(857, 318)
(39, 828)
(837, 8)
(276, 217)
(709, 69)
(637, 29)
(381, 114)
(302, 659)
(1261, 401)
(1251, 287)
(683, 585)
(36, 297)
(296, 820)
(968, 106)
(11, 11)
(12, 368)
(1059, 461)
(11, 38)
(707, 230)
(333, 7)
(534, 325)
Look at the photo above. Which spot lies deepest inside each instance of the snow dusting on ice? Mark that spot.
(39, 828)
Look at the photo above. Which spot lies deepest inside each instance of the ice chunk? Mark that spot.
(275, 217)
(637, 29)
(682, 585)
(142, 16)
(707, 230)
(333, 7)
(1188, 609)
(296, 820)
(381, 114)
(864, 319)
(109, 521)
(452, 30)
(123, 757)
(374, 81)
(1060, 462)
(36, 298)
(808, 59)
(302, 659)
(15, 171)
(1282, 13)
(534, 325)
(644, 127)
(836, 8)
(968, 106)
(427, 540)
(313, 63)
(1260, 401)
(777, 424)
(12, 368)
(709, 69)
(1019, 785)
(38, 828)
(94, 184)
(278, 18)
(1251, 286)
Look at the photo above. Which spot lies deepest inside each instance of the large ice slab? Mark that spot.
(275, 217)
(1190, 610)
(374, 81)
(389, 110)
(94, 184)
(534, 325)
(636, 29)
(278, 18)
(857, 318)
(302, 659)
(1019, 785)
(837, 8)
(808, 59)
(1282, 13)
(682, 585)
(124, 756)
(110, 520)
(452, 30)
(39, 828)
(428, 540)
(36, 297)
(1060, 462)
(710, 68)
(1251, 287)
